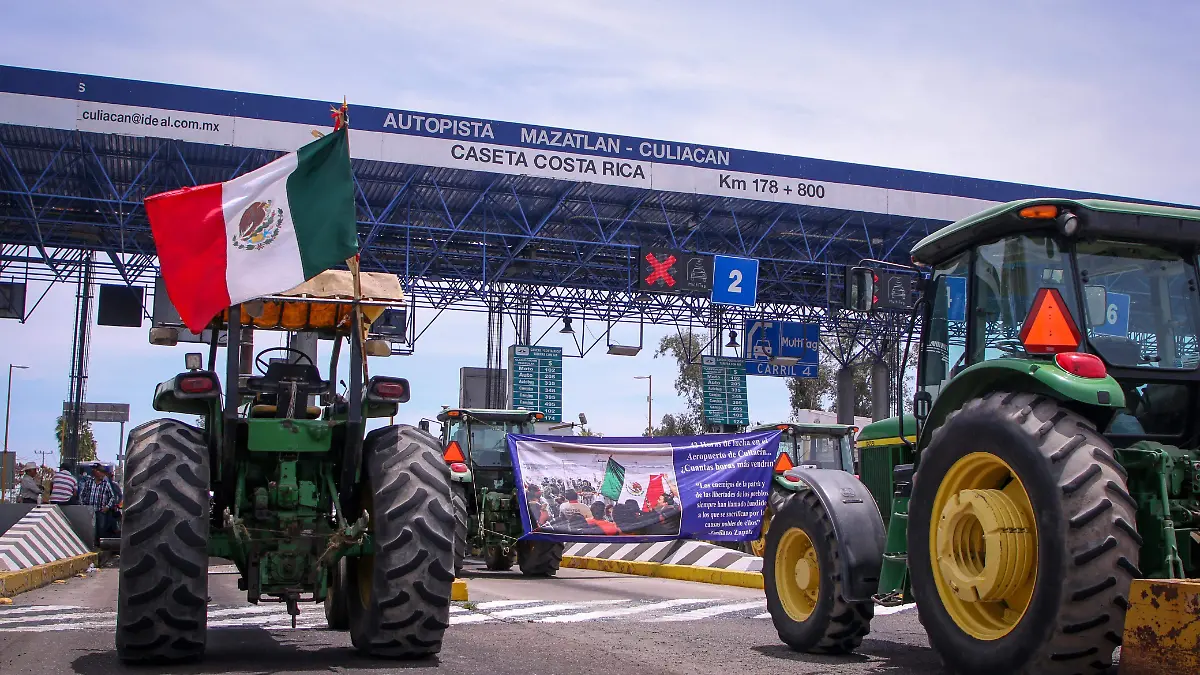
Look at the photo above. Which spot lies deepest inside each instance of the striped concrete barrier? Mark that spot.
(684, 553)
(40, 537)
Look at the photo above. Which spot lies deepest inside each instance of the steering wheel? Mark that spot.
(260, 364)
(1008, 346)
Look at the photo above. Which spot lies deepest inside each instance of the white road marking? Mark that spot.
(546, 609)
(884, 611)
(274, 617)
(713, 611)
(623, 611)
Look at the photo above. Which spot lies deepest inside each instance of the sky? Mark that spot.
(1097, 96)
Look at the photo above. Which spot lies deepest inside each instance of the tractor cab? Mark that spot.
(817, 446)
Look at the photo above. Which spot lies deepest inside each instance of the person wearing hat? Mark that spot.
(31, 489)
(96, 491)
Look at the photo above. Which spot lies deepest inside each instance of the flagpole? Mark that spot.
(341, 118)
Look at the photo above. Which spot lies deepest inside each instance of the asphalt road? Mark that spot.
(580, 622)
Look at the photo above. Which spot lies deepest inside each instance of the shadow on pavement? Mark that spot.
(254, 650)
(884, 657)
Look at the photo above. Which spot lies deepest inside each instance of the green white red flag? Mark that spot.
(265, 232)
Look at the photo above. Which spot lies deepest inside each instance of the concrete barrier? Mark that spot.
(40, 537)
(683, 560)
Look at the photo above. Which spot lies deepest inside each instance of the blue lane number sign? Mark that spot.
(735, 281)
(1116, 316)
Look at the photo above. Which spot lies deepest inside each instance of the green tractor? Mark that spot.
(487, 515)
(811, 446)
(308, 506)
(1052, 457)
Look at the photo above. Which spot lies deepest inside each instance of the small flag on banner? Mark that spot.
(614, 480)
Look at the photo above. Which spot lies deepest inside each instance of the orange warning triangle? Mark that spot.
(1049, 327)
(783, 463)
(453, 453)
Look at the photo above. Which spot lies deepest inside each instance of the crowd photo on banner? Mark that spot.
(606, 490)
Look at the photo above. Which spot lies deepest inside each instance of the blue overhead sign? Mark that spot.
(1116, 316)
(735, 281)
(767, 340)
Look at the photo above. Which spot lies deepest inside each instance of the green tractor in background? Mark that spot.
(811, 446)
(487, 514)
(1052, 458)
(307, 506)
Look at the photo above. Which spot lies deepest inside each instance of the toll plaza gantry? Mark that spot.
(516, 220)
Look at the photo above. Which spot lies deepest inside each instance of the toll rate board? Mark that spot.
(536, 380)
(724, 390)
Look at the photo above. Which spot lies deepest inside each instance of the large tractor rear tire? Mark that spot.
(399, 597)
(337, 607)
(539, 558)
(495, 558)
(1022, 541)
(162, 594)
(460, 527)
(803, 581)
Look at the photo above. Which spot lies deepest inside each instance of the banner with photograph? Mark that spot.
(639, 489)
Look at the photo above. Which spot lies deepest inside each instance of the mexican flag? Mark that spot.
(614, 479)
(265, 232)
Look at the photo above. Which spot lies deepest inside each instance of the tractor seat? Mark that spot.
(280, 375)
(311, 412)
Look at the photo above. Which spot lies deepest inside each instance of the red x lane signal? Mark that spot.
(660, 270)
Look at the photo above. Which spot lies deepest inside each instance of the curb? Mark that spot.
(12, 583)
(707, 575)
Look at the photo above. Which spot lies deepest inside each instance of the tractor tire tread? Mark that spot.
(162, 572)
(539, 558)
(410, 582)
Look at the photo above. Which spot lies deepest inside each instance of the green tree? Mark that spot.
(685, 348)
(87, 440)
(584, 431)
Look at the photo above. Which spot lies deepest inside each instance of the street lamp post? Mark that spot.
(4, 469)
(649, 402)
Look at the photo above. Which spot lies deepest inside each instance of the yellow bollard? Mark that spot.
(1162, 627)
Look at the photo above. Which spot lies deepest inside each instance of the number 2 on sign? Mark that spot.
(735, 281)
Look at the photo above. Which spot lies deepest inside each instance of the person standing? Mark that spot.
(64, 489)
(96, 491)
(31, 489)
(574, 507)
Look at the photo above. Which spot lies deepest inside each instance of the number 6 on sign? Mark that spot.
(735, 281)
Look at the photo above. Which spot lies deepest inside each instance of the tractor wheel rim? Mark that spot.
(797, 574)
(759, 546)
(983, 546)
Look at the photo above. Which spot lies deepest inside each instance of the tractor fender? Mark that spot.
(1096, 399)
(857, 526)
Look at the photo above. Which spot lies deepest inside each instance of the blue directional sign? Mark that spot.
(735, 281)
(765, 340)
(1116, 316)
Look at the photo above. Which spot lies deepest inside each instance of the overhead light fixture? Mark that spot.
(566, 321)
(623, 350)
(786, 361)
(732, 339)
(642, 297)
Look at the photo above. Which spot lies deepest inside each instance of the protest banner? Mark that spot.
(638, 489)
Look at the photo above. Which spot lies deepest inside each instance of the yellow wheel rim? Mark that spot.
(797, 574)
(983, 545)
(365, 570)
(759, 546)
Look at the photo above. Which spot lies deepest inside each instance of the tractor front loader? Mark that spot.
(1042, 503)
(280, 478)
